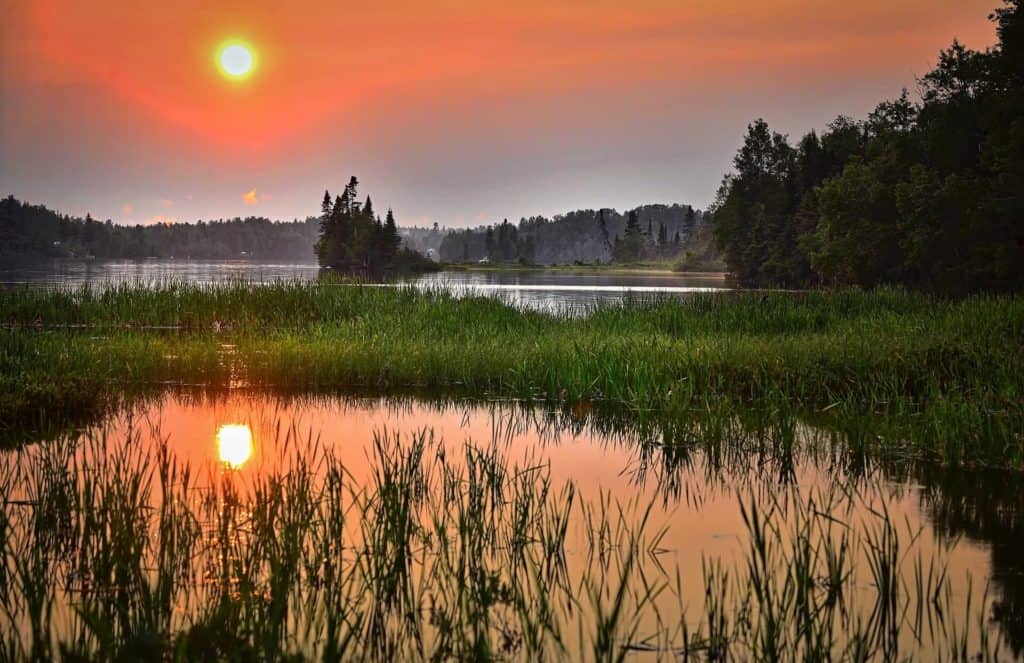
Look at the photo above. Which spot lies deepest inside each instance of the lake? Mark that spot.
(535, 289)
(328, 524)
(571, 504)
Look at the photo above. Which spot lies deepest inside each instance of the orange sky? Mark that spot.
(452, 111)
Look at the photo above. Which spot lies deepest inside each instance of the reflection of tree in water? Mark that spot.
(986, 506)
(723, 449)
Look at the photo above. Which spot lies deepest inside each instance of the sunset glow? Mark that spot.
(531, 107)
(234, 444)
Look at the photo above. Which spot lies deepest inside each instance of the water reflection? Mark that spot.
(701, 477)
(533, 289)
(234, 444)
(985, 507)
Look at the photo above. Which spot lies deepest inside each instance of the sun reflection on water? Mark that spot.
(234, 444)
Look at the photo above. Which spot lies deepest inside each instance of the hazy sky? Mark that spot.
(457, 111)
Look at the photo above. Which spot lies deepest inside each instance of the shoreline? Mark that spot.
(858, 359)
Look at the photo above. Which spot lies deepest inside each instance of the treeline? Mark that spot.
(424, 240)
(353, 239)
(649, 232)
(31, 232)
(926, 194)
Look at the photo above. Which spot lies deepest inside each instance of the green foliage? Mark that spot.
(634, 244)
(941, 379)
(926, 195)
(582, 236)
(353, 240)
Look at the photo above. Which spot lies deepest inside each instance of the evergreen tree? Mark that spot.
(325, 206)
(925, 194)
(632, 246)
(690, 221)
(355, 240)
(393, 241)
(352, 196)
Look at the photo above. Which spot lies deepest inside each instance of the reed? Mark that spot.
(115, 549)
(896, 371)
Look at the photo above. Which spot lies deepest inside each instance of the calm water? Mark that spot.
(962, 527)
(543, 290)
(970, 523)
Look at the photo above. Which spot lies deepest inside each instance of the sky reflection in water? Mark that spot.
(943, 515)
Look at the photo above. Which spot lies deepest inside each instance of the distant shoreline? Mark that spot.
(606, 268)
(662, 270)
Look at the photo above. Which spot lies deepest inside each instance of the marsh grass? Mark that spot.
(893, 370)
(115, 549)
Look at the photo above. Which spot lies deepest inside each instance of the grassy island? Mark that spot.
(891, 370)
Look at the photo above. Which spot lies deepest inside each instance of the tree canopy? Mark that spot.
(926, 193)
(354, 239)
(591, 236)
(29, 232)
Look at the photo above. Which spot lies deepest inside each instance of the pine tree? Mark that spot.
(325, 206)
(690, 221)
(342, 202)
(326, 230)
(631, 248)
(351, 196)
(356, 240)
(492, 253)
(393, 239)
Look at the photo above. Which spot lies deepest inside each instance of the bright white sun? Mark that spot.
(234, 444)
(236, 59)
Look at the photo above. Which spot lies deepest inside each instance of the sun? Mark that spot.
(234, 444)
(236, 59)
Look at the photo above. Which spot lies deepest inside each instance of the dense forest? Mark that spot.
(926, 193)
(649, 232)
(424, 240)
(354, 240)
(34, 232)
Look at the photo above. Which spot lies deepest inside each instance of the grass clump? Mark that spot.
(115, 549)
(942, 378)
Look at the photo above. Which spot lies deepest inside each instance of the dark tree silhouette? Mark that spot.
(33, 232)
(354, 240)
(924, 194)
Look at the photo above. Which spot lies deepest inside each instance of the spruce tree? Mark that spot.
(690, 221)
(325, 206)
(393, 241)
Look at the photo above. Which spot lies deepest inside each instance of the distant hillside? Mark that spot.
(424, 240)
(34, 232)
(662, 232)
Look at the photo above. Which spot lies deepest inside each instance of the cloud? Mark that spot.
(253, 197)
(160, 218)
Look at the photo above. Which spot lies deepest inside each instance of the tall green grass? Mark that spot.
(114, 549)
(896, 370)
